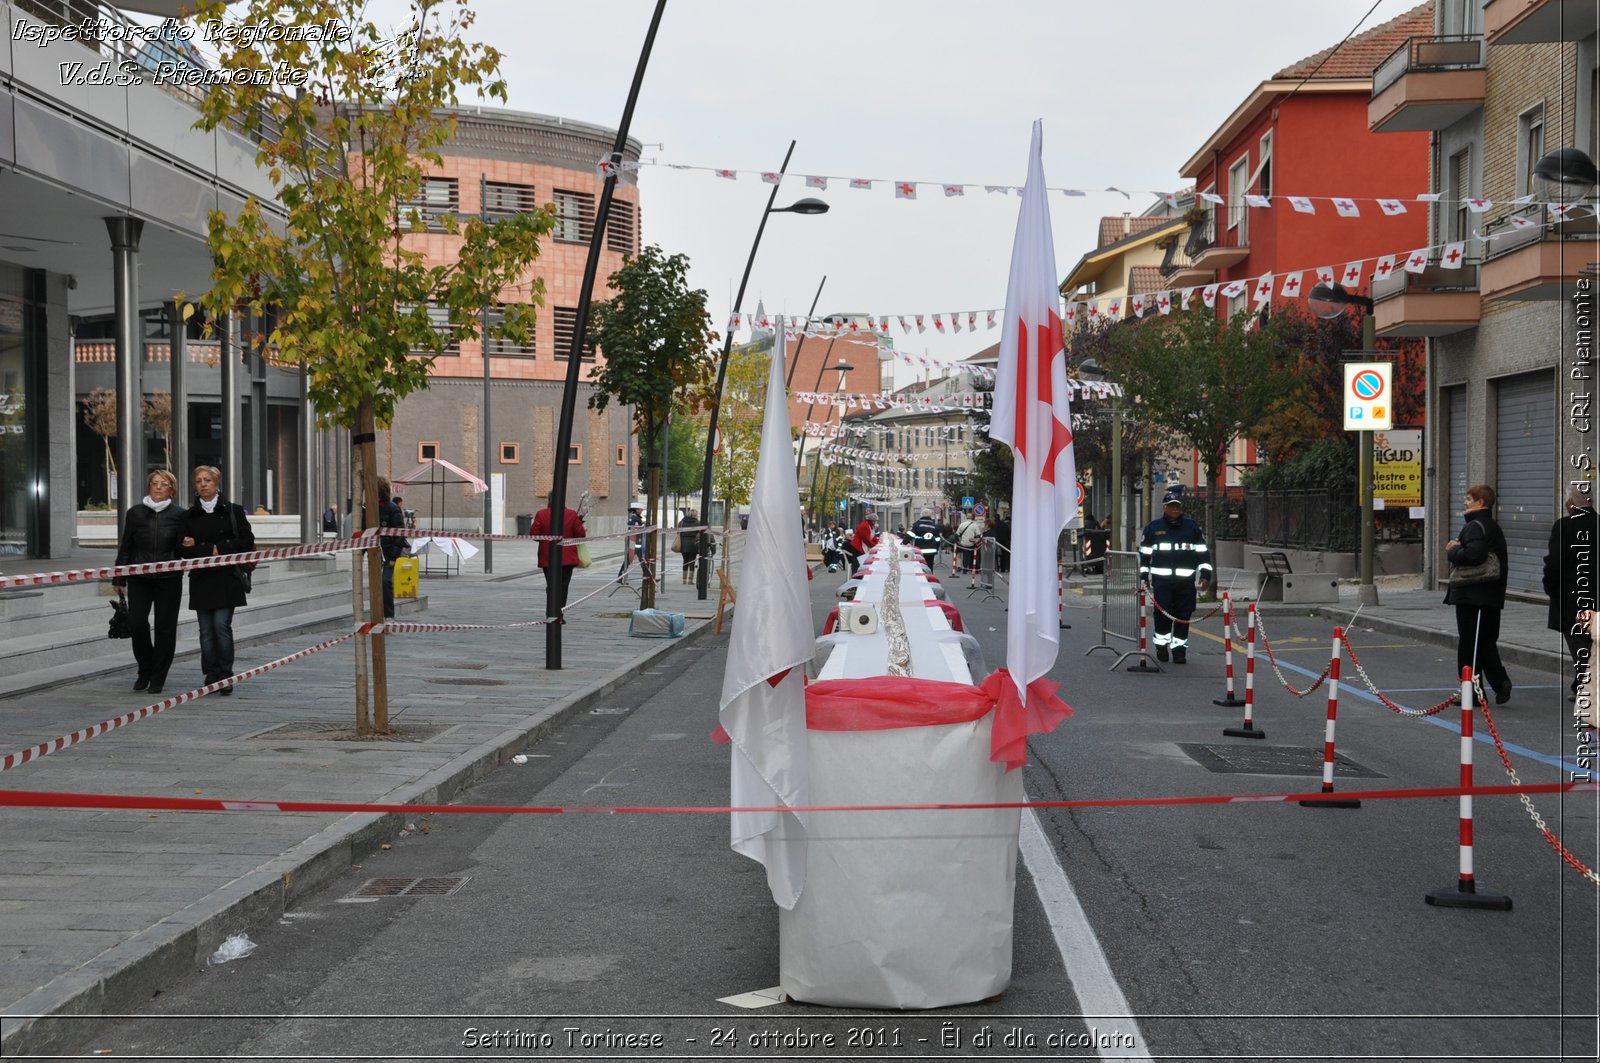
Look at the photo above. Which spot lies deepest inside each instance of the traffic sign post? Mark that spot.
(1368, 395)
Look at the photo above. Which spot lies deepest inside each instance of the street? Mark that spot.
(1259, 930)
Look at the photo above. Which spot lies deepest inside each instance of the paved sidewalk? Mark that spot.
(100, 909)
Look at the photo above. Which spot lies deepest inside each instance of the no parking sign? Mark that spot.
(1368, 404)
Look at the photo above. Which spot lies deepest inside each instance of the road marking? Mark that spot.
(1098, 993)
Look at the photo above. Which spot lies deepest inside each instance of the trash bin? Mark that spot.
(524, 523)
(405, 577)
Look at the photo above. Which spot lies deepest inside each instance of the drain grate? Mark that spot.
(1256, 759)
(442, 886)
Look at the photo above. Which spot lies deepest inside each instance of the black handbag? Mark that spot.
(1487, 571)
(241, 572)
(120, 626)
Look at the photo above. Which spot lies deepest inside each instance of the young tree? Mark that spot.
(346, 123)
(100, 414)
(1203, 380)
(158, 415)
(743, 409)
(656, 335)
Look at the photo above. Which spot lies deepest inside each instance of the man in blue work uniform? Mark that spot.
(1172, 553)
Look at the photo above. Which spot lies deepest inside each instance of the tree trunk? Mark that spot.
(366, 431)
(363, 721)
(647, 591)
(1211, 468)
(111, 472)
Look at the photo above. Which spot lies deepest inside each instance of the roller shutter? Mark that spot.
(1525, 463)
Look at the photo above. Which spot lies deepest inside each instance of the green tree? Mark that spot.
(685, 456)
(1203, 380)
(353, 300)
(657, 338)
(741, 421)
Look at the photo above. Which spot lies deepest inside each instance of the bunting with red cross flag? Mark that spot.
(1033, 415)
(763, 707)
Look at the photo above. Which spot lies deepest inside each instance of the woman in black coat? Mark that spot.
(212, 526)
(1478, 605)
(150, 533)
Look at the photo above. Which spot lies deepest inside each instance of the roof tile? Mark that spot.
(1360, 55)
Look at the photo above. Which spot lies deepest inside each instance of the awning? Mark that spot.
(425, 473)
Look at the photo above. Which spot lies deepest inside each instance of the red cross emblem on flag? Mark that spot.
(1165, 304)
(1384, 268)
(905, 189)
(1352, 273)
(1094, 309)
(725, 173)
(1291, 285)
(1418, 260)
(1116, 307)
(1454, 256)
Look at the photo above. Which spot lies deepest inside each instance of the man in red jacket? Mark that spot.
(572, 528)
(865, 538)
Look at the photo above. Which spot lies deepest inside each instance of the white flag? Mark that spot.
(1325, 275)
(1451, 256)
(1033, 414)
(1417, 261)
(1352, 273)
(1208, 295)
(1347, 208)
(1302, 204)
(816, 182)
(905, 190)
(1291, 285)
(1391, 207)
(763, 706)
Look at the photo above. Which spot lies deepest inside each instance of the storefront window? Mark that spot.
(15, 471)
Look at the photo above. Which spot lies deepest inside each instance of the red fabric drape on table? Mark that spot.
(884, 703)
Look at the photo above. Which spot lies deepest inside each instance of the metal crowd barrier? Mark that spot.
(1119, 597)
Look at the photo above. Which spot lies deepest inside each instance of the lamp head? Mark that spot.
(804, 206)
(1328, 301)
(1565, 175)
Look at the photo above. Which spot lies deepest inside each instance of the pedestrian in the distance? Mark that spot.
(1573, 540)
(571, 528)
(969, 534)
(689, 544)
(1478, 591)
(213, 526)
(393, 547)
(150, 533)
(1172, 553)
(633, 543)
(1000, 530)
(925, 536)
(864, 539)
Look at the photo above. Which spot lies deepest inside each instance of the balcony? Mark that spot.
(1539, 260)
(1211, 250)
(1439, 301)
(1178, 269)
(1427, 83)
(1537, 21)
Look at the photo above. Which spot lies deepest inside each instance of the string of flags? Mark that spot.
(981, 400)
(836, 449)
(904, 188)
(833, 430)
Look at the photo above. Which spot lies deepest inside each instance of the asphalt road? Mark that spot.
(1262, 930)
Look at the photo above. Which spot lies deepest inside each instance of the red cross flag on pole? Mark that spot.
(1032, 414)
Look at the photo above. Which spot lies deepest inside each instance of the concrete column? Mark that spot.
(125, 233)
(178, 439)
(228, 361)
(310, 512)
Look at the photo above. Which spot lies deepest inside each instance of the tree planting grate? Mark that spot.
(410, 887)
(1257, 759)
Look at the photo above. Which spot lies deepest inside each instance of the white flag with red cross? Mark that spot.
(1352, 273)
(1391, 207)
(1452, 255)
(1417, 261)
(905, 190)
(1291, 285)
(1033, 414)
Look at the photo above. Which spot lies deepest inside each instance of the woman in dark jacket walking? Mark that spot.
(1478, 605)
(150, 533)
(213, 526)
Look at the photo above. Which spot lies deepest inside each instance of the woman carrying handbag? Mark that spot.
(1477, 589)
(150, 531)
(214, 526)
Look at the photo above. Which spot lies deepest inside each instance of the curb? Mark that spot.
(1510, 653)
(122, 978)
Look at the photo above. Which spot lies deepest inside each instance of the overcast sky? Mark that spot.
(925, 90)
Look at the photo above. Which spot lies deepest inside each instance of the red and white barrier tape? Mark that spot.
(56, 799)
(405, 627)
(44, 749)
(43, 579)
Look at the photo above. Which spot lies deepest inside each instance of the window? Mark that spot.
(510, 453)
(499, 347)
(1238, 176)
(1264, 167)
(427, 451)
(437, 199)
(620, 227)
(1456, 193)
(622, 454)
(439, 317)
(566, 330)
(1530, 146)
(575, 454)
(501, 199)
(574, 217)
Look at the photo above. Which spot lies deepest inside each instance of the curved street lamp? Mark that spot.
(1565, 175)
(804, 206)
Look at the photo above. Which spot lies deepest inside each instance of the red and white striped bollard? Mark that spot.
(1145, 663)
(1249, 728)
(1329, 758)
(1465, 894)
(1228, 700)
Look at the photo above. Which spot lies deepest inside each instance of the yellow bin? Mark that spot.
(405, 577)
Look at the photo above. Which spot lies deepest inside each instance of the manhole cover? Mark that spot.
(1256, 759)
(322, 731)
(468, 681)
(409, 887)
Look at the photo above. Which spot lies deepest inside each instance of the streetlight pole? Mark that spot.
(804, 206)
(556, 589)
(1328, 301)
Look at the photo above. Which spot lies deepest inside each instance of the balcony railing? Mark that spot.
(1202, 235)
(1441, 278)
(1428, 54)
(1506, 235)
